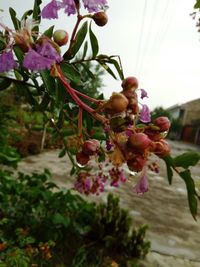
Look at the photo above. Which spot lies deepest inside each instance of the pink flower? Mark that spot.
(95, 5)
(43, 58)
(142, 185)
(70, 7)
(143, 93)
(35, 62)
(48, 51)
(7, 61)
(50, 11)
(145, 115)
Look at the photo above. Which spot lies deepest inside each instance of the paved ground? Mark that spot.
(174, 235)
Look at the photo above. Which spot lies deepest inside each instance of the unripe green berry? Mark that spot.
(60, 37)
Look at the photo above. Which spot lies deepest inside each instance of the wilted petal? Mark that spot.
(143, 93)
(142, 185)
(7, 61)
(145, 115)
(35, 62)
(50, 11)
(95, 5)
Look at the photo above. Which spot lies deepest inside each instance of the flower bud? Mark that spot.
(60, 37)
(137, 163)
(130, 83)
(162, 148)
(100, 18)
(139, 141)
(90, 147)
(117, 103)
(163, 123)
(154, 135)
(82, 158)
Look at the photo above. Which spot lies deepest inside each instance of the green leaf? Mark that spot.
(19, 54)
(87, 69)
(4, 84)
(15, 21)
(169, 164)
(85, 50)
(118, 68)
(187, 159)
(36, 10)
(71, 73)
(79, 39)
(94, 43)
(62, 153)
(108, 69)
(197, 4)
(191, 192)
(45, 102)
(27, 93)
(60, 219)
(48, 81)
(73, 170)
(49, 31)
(26, 14)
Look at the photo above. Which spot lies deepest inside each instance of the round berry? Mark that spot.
(60, 37)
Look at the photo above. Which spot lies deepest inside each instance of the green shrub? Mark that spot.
(42, 225)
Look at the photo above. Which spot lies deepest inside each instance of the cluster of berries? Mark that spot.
(132, 136)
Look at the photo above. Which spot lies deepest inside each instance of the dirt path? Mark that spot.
(174, 235)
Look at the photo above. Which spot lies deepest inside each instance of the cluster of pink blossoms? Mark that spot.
(50, 11)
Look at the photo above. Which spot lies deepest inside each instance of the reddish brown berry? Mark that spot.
(100, 18)
(82, 158)
(130, 83)
(139, 141)
(163, 123)
(90, 147)
(60, 37)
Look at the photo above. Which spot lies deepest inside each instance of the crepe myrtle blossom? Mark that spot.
(7, 61)
(42, 58)
(143, 93)
(142, 184)
(95, 5)
(145, 115)
(50, 11)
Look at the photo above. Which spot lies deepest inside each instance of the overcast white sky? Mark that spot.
(156, 39)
